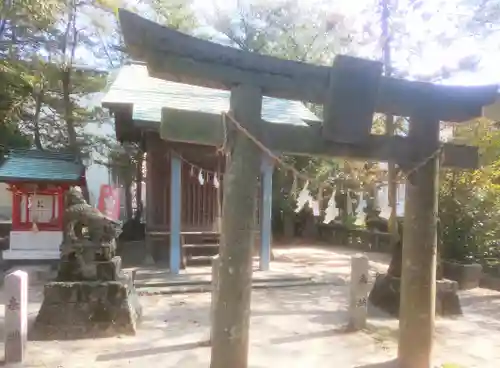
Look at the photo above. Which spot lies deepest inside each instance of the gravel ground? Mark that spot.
(293, 327)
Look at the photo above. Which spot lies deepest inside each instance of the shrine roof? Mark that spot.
(35, 165)
(148, 96)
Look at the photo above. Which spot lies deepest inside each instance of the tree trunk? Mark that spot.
(70, 38)
(288, 224)
(127, 187)
(36, 119)
(68, 109)
(70, 121)
(70, 41)
(138, 184)
(230, 329)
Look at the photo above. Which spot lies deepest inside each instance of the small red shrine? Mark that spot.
(38, 181)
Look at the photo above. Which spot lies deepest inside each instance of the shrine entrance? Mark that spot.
(186, 169)
(351, 91)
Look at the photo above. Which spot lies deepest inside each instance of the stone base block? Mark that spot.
(386, 294)
(447, 300)
(490, 282)
(468, 276)
(87, 309)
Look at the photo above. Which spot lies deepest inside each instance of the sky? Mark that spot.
(434, 55)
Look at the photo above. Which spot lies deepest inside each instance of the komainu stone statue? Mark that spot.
(92, 296)
(89, 242)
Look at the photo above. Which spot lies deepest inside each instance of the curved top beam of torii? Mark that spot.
(175, 56)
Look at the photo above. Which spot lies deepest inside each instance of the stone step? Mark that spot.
(257, 281)
(191, 289)
(196, 250)
(202, 245)
(199, 260)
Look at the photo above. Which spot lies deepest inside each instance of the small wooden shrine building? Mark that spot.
(38, 180)
(176, 199)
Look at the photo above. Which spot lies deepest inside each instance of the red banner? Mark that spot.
(109, 201)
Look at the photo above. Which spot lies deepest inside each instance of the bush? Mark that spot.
(469, 214)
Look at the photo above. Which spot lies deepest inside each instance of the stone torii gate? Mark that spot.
(350, 91)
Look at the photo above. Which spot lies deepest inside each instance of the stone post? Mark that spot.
(358, 298)
(215, 287)
(16, 316)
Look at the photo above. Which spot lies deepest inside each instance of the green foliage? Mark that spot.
(11, 137)
(469, 202)
(281, 29)
(176, 14)
(15, 89)
(122, 161)
(21, 34)
(38, 42)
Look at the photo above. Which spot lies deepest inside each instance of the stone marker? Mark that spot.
(358, 299)
(16, 316)
(215, 289)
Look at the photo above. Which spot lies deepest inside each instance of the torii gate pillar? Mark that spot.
(418, 279)
(232, 309)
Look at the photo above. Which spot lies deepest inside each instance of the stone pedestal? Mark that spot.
(104, 304)
(88, 309)
(386, 295)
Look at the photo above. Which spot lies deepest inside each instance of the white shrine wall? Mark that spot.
(5, 203)
(33, 245)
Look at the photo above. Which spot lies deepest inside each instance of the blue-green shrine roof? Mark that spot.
(148, 96)
(36, 165)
